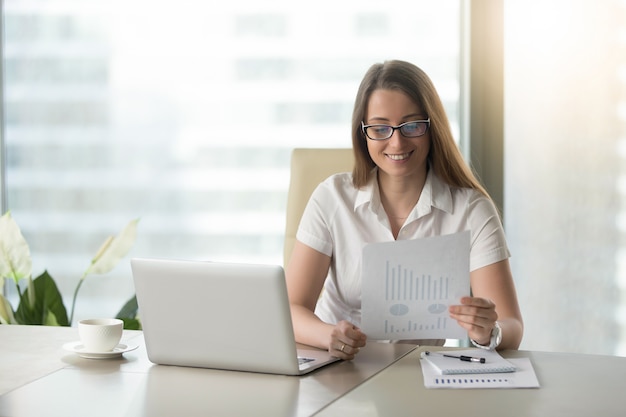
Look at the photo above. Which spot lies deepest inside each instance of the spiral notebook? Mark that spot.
(522, 376)
(447, 365)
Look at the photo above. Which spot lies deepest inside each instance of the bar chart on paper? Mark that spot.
(405, 289)
(405, 296)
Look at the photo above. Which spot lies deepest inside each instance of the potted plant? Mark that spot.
(40, 301)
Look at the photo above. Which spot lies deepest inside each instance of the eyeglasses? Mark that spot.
(412, 129)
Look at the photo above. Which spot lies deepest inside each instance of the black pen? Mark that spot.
(462, 357)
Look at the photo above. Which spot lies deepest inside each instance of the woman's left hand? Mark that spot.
(476, 315)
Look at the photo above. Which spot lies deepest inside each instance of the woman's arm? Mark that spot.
(306, 273)
(493, 298)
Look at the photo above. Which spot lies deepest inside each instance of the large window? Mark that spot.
(565, 161)
(184, 114)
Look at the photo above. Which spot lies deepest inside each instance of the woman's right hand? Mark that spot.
(346, 340)
(306, 274)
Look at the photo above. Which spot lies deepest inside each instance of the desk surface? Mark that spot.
(37, 378)
(571, 385)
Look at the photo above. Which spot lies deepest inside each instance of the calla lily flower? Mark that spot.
(113, 250)
(15, 259)
(108, 256)
(6, 312)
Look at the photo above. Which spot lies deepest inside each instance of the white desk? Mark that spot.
(39, 378)
(571, 385)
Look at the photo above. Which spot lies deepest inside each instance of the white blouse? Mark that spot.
(340, 219)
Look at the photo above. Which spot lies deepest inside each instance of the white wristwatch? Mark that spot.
(496, 338)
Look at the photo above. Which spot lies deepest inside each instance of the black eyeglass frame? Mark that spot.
(364, 128)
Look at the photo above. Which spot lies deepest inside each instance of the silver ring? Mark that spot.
(342, 347)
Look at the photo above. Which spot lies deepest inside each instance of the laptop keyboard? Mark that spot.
(302, 360)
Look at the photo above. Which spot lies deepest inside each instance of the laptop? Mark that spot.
(220, 315)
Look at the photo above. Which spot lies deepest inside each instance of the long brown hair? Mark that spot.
(444, 157)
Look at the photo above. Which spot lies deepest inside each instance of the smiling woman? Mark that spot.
(413, 187)
(398, 156)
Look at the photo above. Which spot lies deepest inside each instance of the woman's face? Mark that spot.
(398, 156)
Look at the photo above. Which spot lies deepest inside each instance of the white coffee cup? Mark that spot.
(100, 335)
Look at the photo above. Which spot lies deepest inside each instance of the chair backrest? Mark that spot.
(309, 167)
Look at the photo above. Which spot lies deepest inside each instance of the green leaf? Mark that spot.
(128, 314)
(129, 310)
(132, 324)
(113, 250)
(48, 307)
(50, 319)
(15, 260)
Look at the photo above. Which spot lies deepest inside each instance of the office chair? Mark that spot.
(309, 167)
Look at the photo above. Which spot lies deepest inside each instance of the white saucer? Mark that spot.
(79, 349)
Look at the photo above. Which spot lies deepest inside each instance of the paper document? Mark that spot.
(523, 377)
(407, 286)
